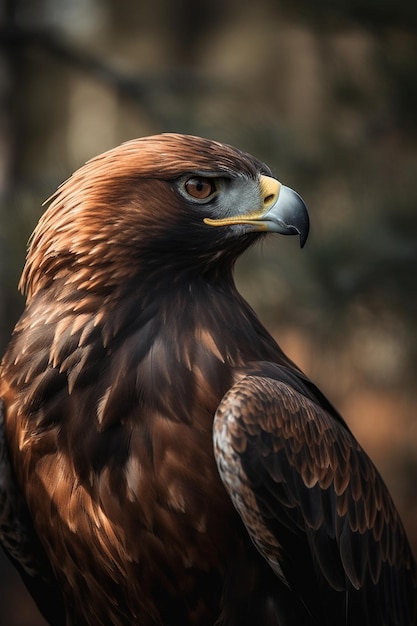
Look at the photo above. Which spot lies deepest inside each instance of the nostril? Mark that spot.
(269, 188)
(269, 199)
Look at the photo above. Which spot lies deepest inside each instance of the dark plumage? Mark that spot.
(115, 505)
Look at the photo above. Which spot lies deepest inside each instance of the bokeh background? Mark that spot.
(326, 93)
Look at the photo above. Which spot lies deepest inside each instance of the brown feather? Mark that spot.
(280, 474)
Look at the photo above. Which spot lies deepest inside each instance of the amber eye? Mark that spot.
(199, 187)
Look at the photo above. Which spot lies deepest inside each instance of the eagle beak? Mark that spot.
(283, 211)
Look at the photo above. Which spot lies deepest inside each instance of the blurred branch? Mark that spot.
(145, 91)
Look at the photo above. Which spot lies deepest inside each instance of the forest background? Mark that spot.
(325, 93)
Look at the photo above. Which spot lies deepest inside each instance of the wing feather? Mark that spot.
(330, 523)
(20, 542)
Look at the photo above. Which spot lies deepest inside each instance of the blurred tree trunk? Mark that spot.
(10, 65)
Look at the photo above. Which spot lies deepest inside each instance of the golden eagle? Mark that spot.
(162, 462)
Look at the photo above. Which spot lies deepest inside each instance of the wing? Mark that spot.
(20, 542)
(313, 502)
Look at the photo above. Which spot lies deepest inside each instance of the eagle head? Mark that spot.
(165, 201)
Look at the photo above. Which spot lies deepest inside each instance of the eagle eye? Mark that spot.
(199, 187)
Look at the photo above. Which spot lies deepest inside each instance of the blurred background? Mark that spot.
(325, 93)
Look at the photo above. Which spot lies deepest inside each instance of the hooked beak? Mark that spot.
(283, 211)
